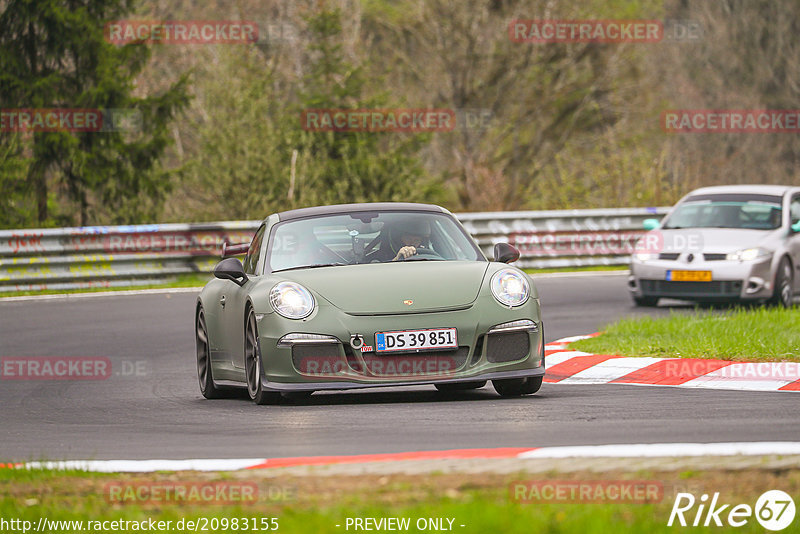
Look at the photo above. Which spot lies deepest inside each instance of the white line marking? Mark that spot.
(579, 273)
(567, 340)
(561, 357)
(753, 376)
(609, 370)
(147, 466)
(104, 294)
(652, 450)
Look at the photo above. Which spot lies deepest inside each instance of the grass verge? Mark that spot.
(739, 334)
(181, 280)
(476, 503)
(588, 268)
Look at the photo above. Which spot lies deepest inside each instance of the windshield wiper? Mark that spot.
(314, 266)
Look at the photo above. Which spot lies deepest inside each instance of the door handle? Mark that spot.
(222, 301)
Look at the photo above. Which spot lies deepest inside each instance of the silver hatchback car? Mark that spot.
(726, 243)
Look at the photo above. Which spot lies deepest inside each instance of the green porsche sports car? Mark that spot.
(364, 295)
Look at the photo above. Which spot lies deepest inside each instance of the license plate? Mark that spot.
(412, 340)
(689, 276)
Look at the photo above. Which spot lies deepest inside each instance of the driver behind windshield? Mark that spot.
(406, 239)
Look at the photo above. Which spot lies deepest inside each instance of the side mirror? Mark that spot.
(505, 253)
(231, 269)
(796, 227)
(650, 224)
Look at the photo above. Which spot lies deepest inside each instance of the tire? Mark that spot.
(516, 387)
(459, 386)
(252, 363)
(204, 373)
(782, 295)
(646, 302)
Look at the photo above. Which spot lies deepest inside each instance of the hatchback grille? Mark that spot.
(672, 256)
(714, 257)
(718, 288)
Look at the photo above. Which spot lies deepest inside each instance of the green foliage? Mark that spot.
(15, 206)
(54, 55)
(251, 135)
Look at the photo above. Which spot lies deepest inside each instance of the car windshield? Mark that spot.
(368, 237)
(753, 212)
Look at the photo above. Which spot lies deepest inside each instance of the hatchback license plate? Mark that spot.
(689, 276)
(412, 340)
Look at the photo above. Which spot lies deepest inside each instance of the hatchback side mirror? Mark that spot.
(650, 224)
(796, 227)
(231, 269)
(505, 253)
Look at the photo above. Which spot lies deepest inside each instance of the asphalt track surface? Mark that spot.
(150, 407)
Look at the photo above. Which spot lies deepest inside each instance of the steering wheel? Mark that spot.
(424, 253)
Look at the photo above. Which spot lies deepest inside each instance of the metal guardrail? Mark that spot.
(108, 256)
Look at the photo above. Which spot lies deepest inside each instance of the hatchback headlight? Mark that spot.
(644, 256)
(749, 254)
(291, 300)
(510, 288)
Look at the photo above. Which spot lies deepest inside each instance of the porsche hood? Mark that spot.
(396, 288)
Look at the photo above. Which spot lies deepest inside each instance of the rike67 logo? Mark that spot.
(774, 510)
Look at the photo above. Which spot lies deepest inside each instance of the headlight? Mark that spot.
(510, 288)
(644, 256)
(749, 254)
(291, 300)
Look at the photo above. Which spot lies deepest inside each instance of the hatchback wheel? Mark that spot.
(782, 294)
(648, 302)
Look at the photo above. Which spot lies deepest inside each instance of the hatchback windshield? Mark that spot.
(369, 237)
(754, 212)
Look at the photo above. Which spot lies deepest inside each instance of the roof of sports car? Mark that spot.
(745, 188)
(366, 206)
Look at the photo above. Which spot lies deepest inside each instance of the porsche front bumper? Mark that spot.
(494, 343)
